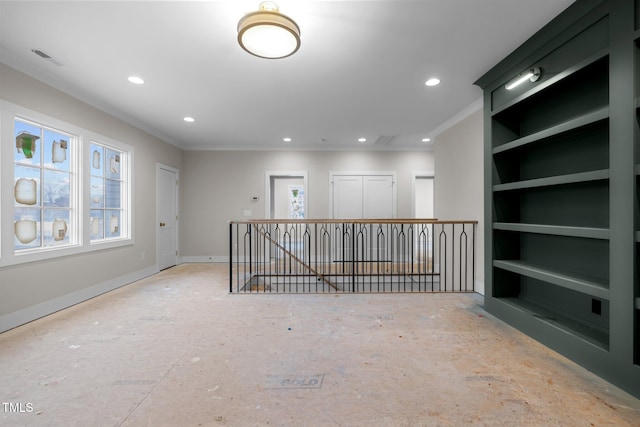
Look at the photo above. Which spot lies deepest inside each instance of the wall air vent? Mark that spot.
(46, 56)
(385, 139)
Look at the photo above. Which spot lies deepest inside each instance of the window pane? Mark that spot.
(113, 224)
(28, 143)
(26, 228)
(56, 189)
(97, 192)
(112, 199)
(56, 148)
(56, 227)
(96, 224)
(97, 160)
(26, 190)
(113, 159)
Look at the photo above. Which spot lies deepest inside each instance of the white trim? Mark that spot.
(195, 259)
(29, 314)
(285, 174)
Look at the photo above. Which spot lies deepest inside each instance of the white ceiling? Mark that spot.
(360, 71)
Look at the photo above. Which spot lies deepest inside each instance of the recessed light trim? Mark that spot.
(136, 80)
(432, 82)
(189, 119)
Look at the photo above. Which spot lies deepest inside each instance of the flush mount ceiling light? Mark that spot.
(533, 75)
(267, 33)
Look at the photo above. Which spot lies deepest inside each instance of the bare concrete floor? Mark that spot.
(177, 350)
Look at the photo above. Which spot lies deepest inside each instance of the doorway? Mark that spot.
(422, 194)
(286, 195)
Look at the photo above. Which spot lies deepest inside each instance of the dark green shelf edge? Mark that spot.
(579, 284)
(599, 175)
(578, 122)
(550, 82)
(555, 230)
(637, 169)
(592, 336)
(637, 303)
(638, 236)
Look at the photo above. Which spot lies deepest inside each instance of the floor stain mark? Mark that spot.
(295, 381)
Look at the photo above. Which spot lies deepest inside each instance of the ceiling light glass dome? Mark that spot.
(267, 33)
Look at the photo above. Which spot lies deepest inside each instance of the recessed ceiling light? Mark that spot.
(426, 139)
(286, 139)
(189, 119)
(136, 80)
(433, 82)
(362, 139)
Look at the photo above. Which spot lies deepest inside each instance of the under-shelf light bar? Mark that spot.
(532, 75)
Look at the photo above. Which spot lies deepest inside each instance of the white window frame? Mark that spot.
(8, 254)
(125, 179)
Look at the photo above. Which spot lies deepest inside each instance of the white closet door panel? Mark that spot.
(377, 196)
(347, 197)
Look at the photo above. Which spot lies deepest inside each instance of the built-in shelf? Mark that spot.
(638, 236)
(637, 103)
(591, 335)
(573, 178)
(574, 282)
(556, 230)
(637, 169)
(637, 303)
(578, 122)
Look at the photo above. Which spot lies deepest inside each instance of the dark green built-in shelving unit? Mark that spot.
(562, 188)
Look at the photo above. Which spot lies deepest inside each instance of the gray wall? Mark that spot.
(215, 187)
(459, 180)
(33, 289)
(218, 187)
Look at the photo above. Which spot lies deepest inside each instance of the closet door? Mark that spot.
(363, 196)
(377, 197)
(347, 196)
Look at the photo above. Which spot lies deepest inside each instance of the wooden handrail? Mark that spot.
(353, 221)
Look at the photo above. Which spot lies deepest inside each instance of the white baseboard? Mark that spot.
(29, 314)
(204, 258)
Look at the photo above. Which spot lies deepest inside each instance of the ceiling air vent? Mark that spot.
(385, 139)
(46, 56)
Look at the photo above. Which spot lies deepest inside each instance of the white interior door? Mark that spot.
(167, 216)
(377, 199)
(347, 196)
(368, 196)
